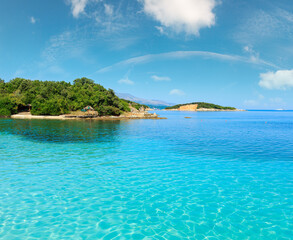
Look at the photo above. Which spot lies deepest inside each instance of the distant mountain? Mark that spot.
(130, 97)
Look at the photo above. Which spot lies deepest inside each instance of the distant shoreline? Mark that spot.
(207, 110)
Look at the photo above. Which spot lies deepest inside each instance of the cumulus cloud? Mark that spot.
(77, 7)
(126, 81)
(159, 78)
(33, 20)
(177, 92)
(187, 16)
(281, 80)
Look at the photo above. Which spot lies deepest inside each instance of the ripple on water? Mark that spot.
(173, 179)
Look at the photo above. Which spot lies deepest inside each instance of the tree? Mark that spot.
(55, 98)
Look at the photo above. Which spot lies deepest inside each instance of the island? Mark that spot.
(33, 99)
(200, 107)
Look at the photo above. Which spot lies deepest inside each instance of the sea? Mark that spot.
(194, 175)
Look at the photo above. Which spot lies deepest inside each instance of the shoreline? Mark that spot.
(207, 110)
(28, 116)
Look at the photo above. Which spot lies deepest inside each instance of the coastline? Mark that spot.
(128, 116)
(207, 110)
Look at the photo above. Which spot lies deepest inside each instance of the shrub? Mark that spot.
(108, 111)
(4, 112)
(9, 105)
(52, 107)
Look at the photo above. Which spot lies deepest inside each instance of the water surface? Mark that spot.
(218, 175)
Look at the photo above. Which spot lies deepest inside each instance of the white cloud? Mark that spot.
(126, 81)
(160, 29)
(261, 25)
(68, 44)
(187, 16)
(260, 99)
(186, 54)
(249, 49)
(251, 103)
(254, 56)
(246, 49)
(77, 7)
(265, 103)
(33, 20)
(282, 80)
(159, 78)
(177, 92)
(108, 9)
(277, 100)
(105, 19)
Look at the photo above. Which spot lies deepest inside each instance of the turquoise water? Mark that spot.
(215, 176)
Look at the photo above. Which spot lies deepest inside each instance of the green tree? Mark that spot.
(55, 98)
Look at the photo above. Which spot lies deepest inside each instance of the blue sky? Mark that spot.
(229, 52)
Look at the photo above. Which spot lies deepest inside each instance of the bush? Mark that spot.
(4, 112)
(108, 111)
(9, 105)
(53, 107)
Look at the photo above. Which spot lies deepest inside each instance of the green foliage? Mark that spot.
(203, 105)
(109, 111)
(56, 98)
(4, 112)
(135, 105)
(8, 106)
(53, 106)
(125, 105)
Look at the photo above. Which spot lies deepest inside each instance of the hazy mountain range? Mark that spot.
(130, 97)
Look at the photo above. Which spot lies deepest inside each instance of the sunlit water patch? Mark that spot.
(214, 176)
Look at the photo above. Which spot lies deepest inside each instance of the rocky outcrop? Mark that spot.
(139, 113)
(190, 107)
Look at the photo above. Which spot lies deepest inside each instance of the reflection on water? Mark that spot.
(64, 131)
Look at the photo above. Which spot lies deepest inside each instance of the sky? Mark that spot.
(228, 52)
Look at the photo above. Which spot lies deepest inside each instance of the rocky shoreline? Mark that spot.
(125, 116)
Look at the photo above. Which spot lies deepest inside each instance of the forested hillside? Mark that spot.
(56, 98)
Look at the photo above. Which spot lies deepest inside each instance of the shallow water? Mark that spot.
(218, 175)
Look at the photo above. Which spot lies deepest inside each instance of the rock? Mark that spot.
(142, 109)
(190, 107)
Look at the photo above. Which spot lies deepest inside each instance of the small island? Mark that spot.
(33, 99)
(200, 107)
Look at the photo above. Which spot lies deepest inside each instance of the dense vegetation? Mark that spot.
(203, 105)
(56, 98)
(136, 105)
